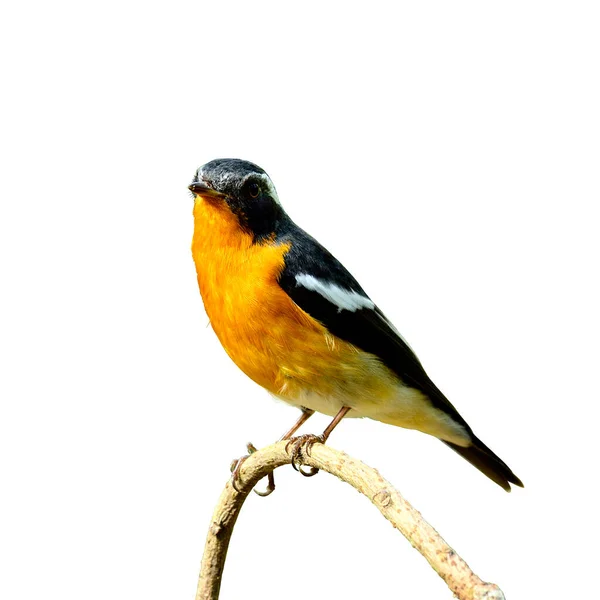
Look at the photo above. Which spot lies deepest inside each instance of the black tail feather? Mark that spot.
(481, 457)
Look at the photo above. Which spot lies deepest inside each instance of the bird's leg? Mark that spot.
(306, 414)
(334, 423)
(303, 443)
(236, 464)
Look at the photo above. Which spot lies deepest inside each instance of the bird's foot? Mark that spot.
(236, 465)
(300, 447)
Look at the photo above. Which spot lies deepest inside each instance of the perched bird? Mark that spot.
(297, 322)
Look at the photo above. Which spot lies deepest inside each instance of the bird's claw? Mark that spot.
(298, 448)
(236, 465)
(270, 486)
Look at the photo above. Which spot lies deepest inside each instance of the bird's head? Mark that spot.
(242, 188)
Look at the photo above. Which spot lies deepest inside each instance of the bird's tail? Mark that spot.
(481, 457)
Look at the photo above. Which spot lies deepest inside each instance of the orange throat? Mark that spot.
(238, 284)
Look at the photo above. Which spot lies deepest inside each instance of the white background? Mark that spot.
(446, 152)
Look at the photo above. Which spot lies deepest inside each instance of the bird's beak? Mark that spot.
(201, 188)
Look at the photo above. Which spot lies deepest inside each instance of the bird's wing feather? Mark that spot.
(321, 286)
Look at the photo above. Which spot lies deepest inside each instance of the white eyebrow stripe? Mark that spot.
(268, 183)
(343, 299)
(272, 191)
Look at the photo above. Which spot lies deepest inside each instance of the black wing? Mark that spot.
(368, 329)
(365, 328)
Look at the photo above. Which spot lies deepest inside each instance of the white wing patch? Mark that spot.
(343, 299)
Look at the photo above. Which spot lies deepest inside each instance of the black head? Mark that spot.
(247, 190)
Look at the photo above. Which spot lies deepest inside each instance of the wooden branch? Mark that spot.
(446, 563)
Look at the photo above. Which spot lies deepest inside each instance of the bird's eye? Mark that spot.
(253, 189)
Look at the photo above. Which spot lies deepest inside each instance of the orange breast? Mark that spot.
(264, 332)
(248, 311)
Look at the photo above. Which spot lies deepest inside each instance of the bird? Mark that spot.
(296, 322)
